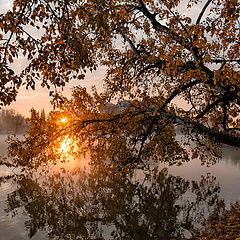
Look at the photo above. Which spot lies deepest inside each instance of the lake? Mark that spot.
(168, 203)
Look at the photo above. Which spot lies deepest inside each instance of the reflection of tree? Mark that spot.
(232, 155)
(101, 207)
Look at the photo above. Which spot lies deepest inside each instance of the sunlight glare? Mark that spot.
(63, 120)
(68, 160)
(65, 145)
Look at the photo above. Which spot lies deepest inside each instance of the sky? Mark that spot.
(39, 98)
(5, 5)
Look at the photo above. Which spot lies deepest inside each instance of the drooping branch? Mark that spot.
(198, 128)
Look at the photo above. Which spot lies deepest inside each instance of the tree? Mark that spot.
(153, 55)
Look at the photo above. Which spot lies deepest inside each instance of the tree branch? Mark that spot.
(209, 107)
(198, 128)
(12, 32)
(159, 27)
(127, 39)
(203, 10)
(177, 91)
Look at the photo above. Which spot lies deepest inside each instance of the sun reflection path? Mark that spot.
(65, 145)
(68, 160)
(67, 149)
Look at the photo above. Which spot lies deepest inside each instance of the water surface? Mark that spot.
(166, 204)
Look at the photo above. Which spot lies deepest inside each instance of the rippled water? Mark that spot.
(97, 208)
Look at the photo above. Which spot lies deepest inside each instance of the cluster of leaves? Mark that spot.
(60, 40)
(153, 56)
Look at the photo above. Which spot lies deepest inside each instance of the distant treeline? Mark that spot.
(12, 122)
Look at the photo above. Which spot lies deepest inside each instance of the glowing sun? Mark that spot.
(63, 120)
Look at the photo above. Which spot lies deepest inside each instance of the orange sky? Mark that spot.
(40, 99)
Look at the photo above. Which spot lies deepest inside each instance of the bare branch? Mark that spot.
(178, 91)
(127, 39)
(203, 10)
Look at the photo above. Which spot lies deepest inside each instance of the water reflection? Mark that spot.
(65, 145)
(151, 205)
(93, 206)
(232, 156)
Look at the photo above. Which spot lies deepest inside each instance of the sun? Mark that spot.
(63, 120)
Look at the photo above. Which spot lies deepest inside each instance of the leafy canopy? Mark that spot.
(155, 59)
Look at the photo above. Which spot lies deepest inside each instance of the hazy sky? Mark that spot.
(39, 98)
(5, 5)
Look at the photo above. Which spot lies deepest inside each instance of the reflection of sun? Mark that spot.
(63, 120)
(68, 159)
(65, 145)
